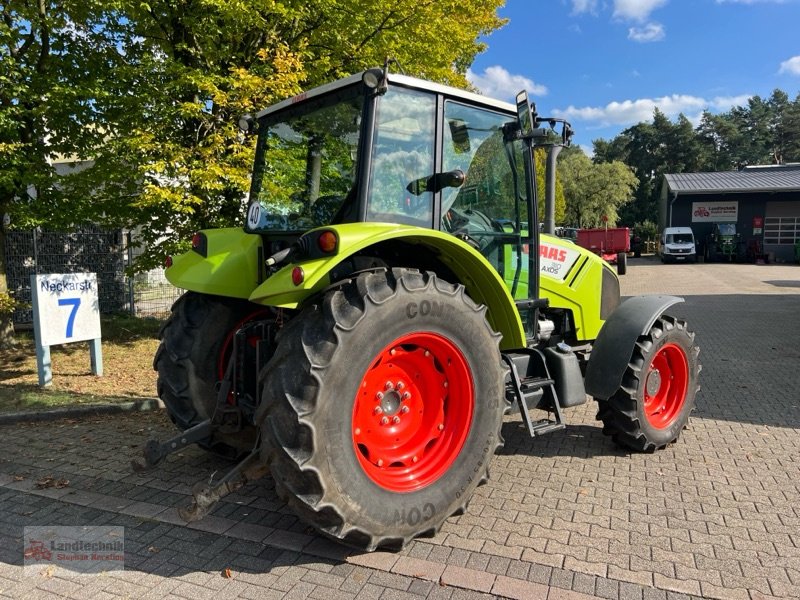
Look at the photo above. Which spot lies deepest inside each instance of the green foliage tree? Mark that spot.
(53, 59)
(189, 70)
(593, 190)
(149, 92)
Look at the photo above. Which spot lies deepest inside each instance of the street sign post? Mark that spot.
(65, 310)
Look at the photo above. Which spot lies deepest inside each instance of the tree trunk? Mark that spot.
(6, 324)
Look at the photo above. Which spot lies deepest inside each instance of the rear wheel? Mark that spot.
(382, 408)
(195, 347)
(657, 394)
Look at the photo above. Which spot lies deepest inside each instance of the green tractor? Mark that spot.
(724, 244)
(388, 301)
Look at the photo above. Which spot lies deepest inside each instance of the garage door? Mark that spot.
(782, 228)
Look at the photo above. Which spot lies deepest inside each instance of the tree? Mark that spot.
(51, 62)
(595, 190)
(189, 71)
(150, 94)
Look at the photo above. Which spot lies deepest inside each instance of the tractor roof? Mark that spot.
(394, 78)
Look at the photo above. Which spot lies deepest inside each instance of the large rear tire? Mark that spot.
(382, 408)
(657, 393)
(192, 356)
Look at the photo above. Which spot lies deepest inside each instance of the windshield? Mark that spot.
(680, 238)
(305, 165)
(727, 229)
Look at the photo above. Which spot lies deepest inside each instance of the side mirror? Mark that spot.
(437, 182)
(524, 114)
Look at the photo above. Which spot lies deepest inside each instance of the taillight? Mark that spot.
(168, 262)
(298, 276)
(200, 244)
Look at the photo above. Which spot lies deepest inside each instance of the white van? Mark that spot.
(677, 243)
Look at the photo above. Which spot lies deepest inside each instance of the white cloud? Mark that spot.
(652, 32)
(636, 10)
(496, 82)
(630, 112)
(791, 66)
(584, 6)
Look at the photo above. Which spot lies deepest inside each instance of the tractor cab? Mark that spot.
(385, 148)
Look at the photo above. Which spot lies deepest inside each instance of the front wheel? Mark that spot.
(382, 408)
(657, 393)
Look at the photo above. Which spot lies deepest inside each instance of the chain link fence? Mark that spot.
(90, 250)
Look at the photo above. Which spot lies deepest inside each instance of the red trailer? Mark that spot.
(611, 243)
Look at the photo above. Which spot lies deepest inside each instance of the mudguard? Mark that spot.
(481, 280)
(230, 266)
(233, 267)
(614, 346)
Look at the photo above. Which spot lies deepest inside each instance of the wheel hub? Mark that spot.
(390, 404)
(412, 412)
(653, 382)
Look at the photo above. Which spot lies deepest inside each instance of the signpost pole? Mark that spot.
(43, 365)
(96, 352)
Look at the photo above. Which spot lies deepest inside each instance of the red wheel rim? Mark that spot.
(665, 386)
(412, 412)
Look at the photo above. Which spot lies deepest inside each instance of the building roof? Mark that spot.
(775, 179)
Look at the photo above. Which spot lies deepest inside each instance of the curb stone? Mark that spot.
(149, 404)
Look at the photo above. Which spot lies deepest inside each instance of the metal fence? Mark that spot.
(106, 253)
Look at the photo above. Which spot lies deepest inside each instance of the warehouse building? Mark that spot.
(763, 201)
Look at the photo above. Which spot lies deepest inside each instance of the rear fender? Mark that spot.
(480, 279)
(614, 346)
(230, 267)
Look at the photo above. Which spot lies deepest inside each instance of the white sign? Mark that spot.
(706, 212)
(556, 260)
(67, 308)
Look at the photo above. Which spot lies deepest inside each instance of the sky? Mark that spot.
(604, 65)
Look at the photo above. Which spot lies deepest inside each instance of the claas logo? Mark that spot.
(552, 253)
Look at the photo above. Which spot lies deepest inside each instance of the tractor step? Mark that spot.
(531, 387)
(544, 426)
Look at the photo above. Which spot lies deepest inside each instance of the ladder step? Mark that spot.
(544, 426)
(535, 383)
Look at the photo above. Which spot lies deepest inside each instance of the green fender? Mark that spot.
(233, 267)
(230, 268)
(480, 279)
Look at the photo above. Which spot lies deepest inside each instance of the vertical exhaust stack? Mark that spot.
(550, 190)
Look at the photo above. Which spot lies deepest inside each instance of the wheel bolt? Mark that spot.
(414, 459)
(389, 385)
(357, 431)
(404, 410)
(395, 419)
(377, 410)
(393, 351)
(379, 462)
(441, 426)
(427, 353)
(406, 395)
(379, 396)
(384, 420)
(445, 384)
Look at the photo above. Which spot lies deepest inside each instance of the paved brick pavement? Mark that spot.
(568, 516)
